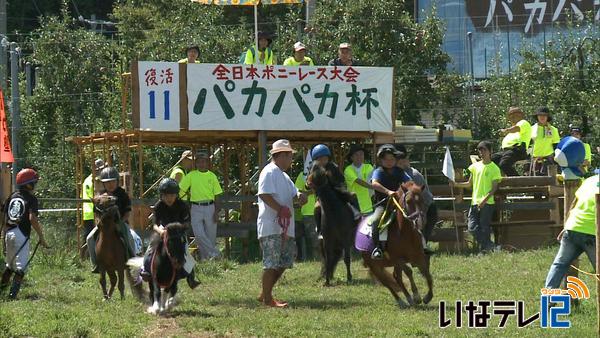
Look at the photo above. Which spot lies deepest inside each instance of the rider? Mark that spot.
(109, 177)
(387, 179)
(20, 212)
(170, 209)
(321, 156)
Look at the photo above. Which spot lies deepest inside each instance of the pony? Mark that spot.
(337, 223)
(110, 250)
(167, 260)
(404, 246)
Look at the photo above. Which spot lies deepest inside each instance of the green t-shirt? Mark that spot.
(482, 177)
(292, 62)
(203, 186)
(351, 174)
(582, 218)
(309, 208)
(521, 136)
(588, 152)
(544, 137)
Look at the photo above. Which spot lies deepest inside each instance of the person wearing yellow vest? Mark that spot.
(299, 58)
(201, 187)
(579, 232)
(87, 193)
(192, 54)
(309, 240)
(484, 179)
(186, 163)
(545, 137)
(265, 53)
(515, 142)
(357, 176)
(577, 132)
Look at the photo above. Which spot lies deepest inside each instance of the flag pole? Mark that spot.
(255, 32)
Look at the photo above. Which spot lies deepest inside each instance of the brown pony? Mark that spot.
(110, 250)
(404, 246)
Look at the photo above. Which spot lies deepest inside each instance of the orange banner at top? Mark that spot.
(247, 2)
(6, 155)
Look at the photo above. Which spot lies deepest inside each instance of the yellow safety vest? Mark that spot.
(88, 193)
(363, 194)
(251, 58)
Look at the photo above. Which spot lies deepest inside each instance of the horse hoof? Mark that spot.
(402, 304)
(417, 300)
(152, 310)
(427, 299)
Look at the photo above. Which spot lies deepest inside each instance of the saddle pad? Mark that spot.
(363, 240)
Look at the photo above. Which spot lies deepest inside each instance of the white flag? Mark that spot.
(448, 168)
(307, 164)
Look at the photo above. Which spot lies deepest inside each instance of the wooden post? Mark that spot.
(78, 207)
(226, 190)
(262, 149)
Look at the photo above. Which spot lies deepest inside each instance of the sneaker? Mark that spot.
(193, 283)
(377, 254)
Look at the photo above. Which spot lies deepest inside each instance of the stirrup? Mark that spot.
(377, 254)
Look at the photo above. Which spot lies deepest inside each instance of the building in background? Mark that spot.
(500, 27)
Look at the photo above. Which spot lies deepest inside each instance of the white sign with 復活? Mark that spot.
(159, 96)
(327, 98)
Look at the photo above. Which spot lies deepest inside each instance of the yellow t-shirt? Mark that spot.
(544, 137)
(292, 62)
(309, 208)
(521, 136)
(582, 218)
(88, 193)
(482, 177)
(588, 152)
(363, 194)
(177, 170)
(203, 186)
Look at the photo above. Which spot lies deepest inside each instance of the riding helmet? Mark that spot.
(26, 176)
(168, 186)
(109, 174)
(320, 150)
(386, 149)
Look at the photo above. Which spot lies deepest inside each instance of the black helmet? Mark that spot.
(385, 149)
(109, 174)
(168, 186)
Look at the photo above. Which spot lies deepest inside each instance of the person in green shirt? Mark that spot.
(484, 179)
(265, 53)
(186, 163)
(579, 232)
(545, 137)
(192, 53)
(357, 176)
(201, 187)
(307, 211)
(515, 143)
(299, 58)
(577, 132)
(87, 193)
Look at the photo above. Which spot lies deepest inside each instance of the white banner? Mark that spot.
(159, 95)
(248, 97)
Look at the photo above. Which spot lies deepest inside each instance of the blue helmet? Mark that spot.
(320, 150)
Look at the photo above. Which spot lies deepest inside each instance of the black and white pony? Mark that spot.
(166, 263)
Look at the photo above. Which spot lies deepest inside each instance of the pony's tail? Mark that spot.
(133, 277)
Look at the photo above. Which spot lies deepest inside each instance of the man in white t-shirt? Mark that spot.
(275, 222)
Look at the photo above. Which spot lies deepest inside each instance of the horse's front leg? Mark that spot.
(155, 297)
(347, 260)
(424, 270)
(409, 273)
(398, 269)
(172, 301)
(113, 282)
(103, 284)
(121, 281)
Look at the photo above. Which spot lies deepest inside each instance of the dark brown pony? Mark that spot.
(110, 251)
(404, 246)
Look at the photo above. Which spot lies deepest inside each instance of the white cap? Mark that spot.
(281, 146)
(99, 164)
(299, 46)
(345, 45)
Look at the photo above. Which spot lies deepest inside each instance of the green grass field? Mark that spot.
(61, 298)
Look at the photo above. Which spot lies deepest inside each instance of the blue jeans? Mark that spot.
(572, 244)
(479, 225)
